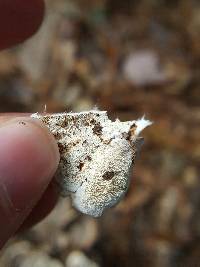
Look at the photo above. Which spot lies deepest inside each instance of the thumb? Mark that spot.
(28, 160)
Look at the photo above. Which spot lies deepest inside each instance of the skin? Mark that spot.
(19, 19)
(29, 155)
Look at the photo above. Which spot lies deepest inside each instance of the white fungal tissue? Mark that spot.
(96, 157)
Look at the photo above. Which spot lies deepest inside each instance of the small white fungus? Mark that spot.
(96, 157)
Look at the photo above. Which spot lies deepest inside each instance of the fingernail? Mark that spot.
(28, 160)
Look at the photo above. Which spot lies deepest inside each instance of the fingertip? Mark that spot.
(43, 207)
(28, 160)
(19, 19)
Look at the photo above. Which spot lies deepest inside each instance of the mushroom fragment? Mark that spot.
(96, 157)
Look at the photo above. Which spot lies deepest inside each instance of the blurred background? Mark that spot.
(130, 58)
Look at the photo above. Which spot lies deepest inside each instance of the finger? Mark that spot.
(50, 196)
(43, 207)
(28, 159)
(19, 19)
(5, 117)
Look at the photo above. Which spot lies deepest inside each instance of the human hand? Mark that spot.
(28, 152)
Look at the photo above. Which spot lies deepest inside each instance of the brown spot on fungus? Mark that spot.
(97, 129)
(93, 121)
(88, 158)
(61, 147)
(108, 175)
(107, 142)
(57, 135)
(64, 123)
(131, 131)
(81, 165)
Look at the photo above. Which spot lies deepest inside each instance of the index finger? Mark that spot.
(19, 19)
